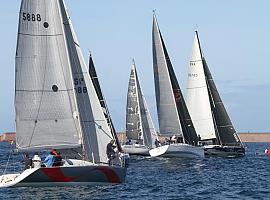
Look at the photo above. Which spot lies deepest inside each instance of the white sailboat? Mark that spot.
(210, 118)
(173, 116)
(56, 103)
(140, 130)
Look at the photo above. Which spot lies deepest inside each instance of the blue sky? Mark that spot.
(234, 36)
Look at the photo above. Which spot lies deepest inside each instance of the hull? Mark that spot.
(218, 150)
(80, 174)
(136, 149)
(178, 150)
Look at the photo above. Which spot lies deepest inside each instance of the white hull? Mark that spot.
(178, 150)
(224, 151)
(136, 149)
(78, 173)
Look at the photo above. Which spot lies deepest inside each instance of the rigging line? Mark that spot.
(100, 127)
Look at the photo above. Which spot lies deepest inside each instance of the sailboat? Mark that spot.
(140, 131)
(57, 106)
(211, 120)
(173, 116)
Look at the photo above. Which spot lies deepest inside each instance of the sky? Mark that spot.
(234, 37)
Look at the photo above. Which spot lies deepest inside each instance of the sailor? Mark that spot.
(36, 161)
(111, 154)
(174, 139)
(27, 162)
(49, 160)
(57, 159)
(157, 143)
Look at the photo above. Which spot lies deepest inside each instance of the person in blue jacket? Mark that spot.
(49, 160)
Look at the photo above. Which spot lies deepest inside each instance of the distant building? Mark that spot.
(8, 137)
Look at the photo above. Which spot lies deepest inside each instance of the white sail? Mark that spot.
(46, 112)
(96, 132)
(197, 95)
(169, 122)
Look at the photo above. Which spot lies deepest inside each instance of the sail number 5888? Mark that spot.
(31, 17)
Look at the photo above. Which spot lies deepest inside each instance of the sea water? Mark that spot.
(246, 177)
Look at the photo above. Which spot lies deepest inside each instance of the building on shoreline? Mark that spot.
(8, 137)
(244, 136)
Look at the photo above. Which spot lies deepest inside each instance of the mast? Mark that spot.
(197, 94)
(173, 115)
(94, 77)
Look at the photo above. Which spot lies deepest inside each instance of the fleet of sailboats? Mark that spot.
(211, 120)
(140, 132)
(59, 105)
(173, 116)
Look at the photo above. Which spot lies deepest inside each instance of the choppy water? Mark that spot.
(160, 178)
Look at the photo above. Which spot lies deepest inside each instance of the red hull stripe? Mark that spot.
(110, 174)
(55, 174)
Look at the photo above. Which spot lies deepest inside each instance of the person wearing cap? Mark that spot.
(111, 154)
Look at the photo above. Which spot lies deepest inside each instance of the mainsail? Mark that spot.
(46, 110)
(133, 117)
(93, 74)
(139, 125)
(173, 115)
(197, 95)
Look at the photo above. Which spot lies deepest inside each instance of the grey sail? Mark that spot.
(133, 117)
(95, 130)
(173, 115)
(94, 77)
(226, 134)
(46, 110)
(147, 133)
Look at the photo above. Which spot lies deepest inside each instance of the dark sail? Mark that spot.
(226, 134)
(102, 101)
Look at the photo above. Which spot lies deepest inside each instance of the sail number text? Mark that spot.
(31, 17)
(79, 85)
(192, 75)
